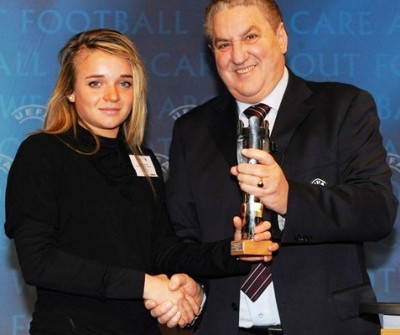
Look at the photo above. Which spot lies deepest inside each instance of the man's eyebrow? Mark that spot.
(251, 28)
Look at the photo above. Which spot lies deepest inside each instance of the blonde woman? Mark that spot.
(85, 204)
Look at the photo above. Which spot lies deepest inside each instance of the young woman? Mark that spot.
(84, 202)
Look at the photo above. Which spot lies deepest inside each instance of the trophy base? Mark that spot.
(250, 248)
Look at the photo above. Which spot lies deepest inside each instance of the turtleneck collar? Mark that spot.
(85, 142)
(86, 137)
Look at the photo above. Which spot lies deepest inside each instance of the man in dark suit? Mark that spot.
(327, 184)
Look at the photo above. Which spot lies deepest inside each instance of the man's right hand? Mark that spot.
(184, 310)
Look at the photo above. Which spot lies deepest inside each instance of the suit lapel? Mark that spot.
(292, 111)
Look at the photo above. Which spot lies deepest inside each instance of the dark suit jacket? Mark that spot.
(339, 196)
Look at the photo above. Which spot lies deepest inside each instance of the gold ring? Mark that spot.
(260, 184)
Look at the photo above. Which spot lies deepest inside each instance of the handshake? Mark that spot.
(175, 301)
(178, 301)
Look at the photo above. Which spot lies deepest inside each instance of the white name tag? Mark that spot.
(147, 164)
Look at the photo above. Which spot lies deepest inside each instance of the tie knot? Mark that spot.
(259, 110)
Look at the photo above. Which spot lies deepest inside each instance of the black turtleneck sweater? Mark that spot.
(87, 229)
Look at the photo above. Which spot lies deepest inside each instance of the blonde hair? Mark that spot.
(61, 114)
(269, 7)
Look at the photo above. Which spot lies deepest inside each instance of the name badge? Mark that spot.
(147, 164)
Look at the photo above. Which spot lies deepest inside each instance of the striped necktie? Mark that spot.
(260, 110)
(254, 284)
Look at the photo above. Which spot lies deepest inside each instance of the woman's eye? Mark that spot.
(126, 84)
(94, 84)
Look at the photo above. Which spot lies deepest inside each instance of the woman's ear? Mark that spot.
(71, 97)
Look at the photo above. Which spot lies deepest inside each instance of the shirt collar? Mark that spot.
(274, 99)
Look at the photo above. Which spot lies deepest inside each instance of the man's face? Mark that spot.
(249, 54)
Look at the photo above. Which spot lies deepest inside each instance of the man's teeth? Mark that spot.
(246, 69)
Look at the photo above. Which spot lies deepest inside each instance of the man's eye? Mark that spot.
(251, 37)
(224, 45)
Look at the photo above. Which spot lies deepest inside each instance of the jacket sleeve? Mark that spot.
(31, 220)
(210, 260)
(359, 205)
(173, 255)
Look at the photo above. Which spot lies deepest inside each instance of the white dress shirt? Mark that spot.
(264, 311)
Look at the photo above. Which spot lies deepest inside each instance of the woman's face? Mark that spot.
(103, 92)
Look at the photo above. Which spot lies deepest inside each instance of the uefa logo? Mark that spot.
(394, 162)
(319, 181)
(178, 112)
(28, 118)
(164, 162)
(29, 112)
(5, 163)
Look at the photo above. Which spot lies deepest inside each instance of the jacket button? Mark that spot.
(235, 306)
(299, 238)
(303, 238)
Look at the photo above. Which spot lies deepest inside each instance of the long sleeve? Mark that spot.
(211, 260)
(33, 210)
(353, 199)
(78, 233)
(171, 255)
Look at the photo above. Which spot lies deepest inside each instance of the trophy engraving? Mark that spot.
(256, 135)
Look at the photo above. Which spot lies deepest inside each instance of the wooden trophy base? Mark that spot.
(250, 248)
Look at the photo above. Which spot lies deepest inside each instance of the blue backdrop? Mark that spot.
(350, 41)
